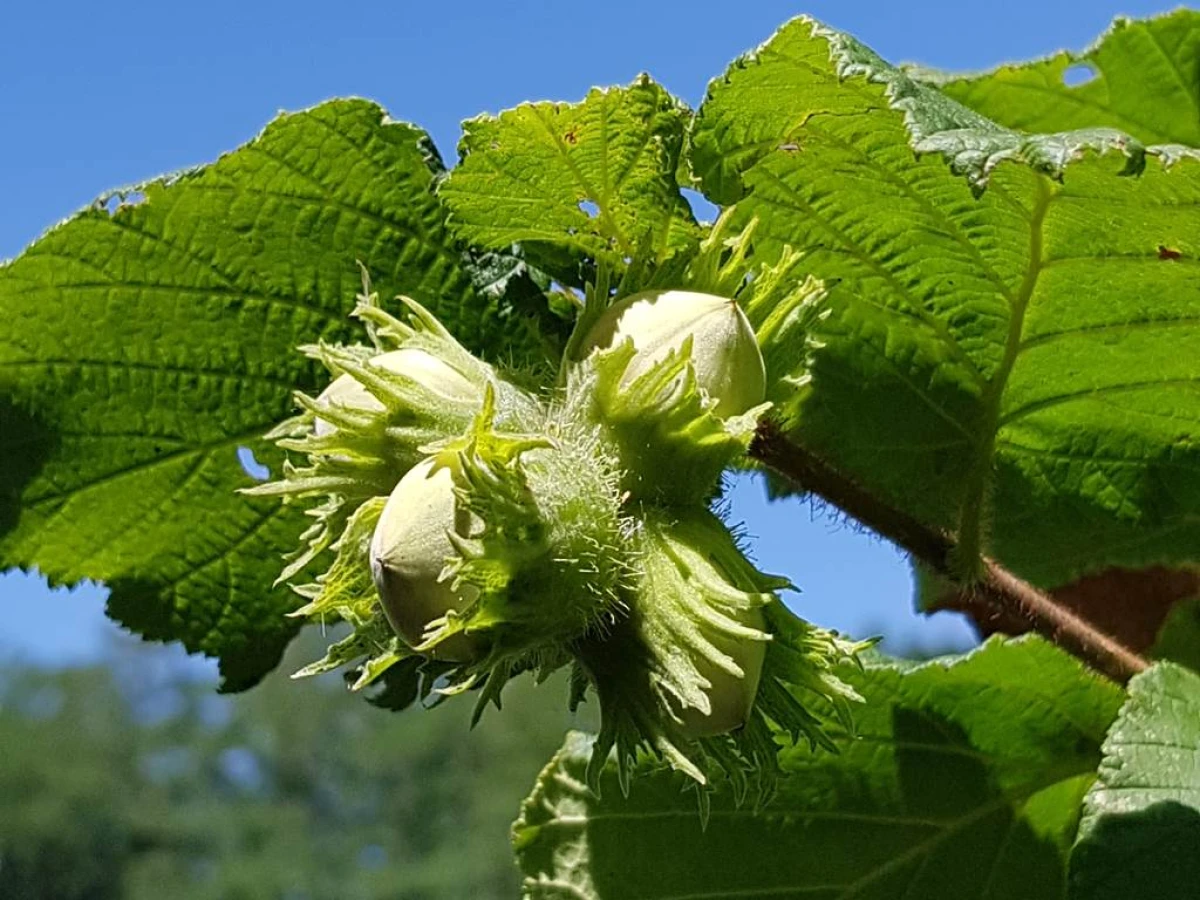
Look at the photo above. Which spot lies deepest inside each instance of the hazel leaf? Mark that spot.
(591, 180)
(1140, 834)
(1008, 344)
(963, 781)
(142, 348)
(1141, 76)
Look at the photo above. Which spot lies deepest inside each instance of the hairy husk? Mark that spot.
(527, 533)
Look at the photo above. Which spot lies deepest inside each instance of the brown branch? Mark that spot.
(997, 591)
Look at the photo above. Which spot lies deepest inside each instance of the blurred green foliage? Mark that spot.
(138, 781)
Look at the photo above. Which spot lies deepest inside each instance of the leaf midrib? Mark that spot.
(597, 197)
(253, 435)
(288, 384)
(853, 248)
(977, 488)
(946, 830)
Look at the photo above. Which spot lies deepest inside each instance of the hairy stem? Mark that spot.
(998, 591)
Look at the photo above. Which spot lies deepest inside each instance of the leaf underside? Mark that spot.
(1011, 349)
(592, 181)
(143, 345)
(1142, 77)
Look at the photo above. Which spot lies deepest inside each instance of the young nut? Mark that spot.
(410, 548)
(731, 696)
(423, 367)
(725, 356)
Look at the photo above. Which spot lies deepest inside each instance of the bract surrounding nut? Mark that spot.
(725, 356)
(421, 366)
(730, 696)
(409, 550)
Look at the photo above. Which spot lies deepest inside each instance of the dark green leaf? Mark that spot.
(1140, 834)
(1179, 638)
(964, 781)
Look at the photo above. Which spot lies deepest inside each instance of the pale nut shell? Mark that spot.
(421, 366)
(409, 550)
(731, 697)
(725, 355)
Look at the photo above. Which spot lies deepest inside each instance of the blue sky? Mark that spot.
(94, 96)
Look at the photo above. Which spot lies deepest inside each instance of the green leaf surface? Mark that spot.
(1178, 640)
(1140, 833)
(142, 345)
(1142, 77)
(964, 781)
(590, 180)
(1011, 346)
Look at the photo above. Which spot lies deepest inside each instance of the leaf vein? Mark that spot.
(1099, 391)
(852, 248)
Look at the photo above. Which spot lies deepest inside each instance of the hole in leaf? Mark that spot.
(119, 199)
(589, 208)
(702, 208)
(251, 466)
(1079, 74)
